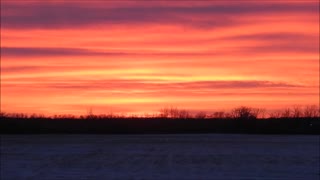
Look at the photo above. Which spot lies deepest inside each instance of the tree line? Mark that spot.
(295, 120)
(242, 112)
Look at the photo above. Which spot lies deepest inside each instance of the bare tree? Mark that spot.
(297, 112)
(3, 114)
(201, 115)
(183, 114)
(286, 113)
(219, 114)
(311, 111)
(258, 112)
(275, 114)
(164, 113)
(228, 115)
(243, 112)
(173, 112)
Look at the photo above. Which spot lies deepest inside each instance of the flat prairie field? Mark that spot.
(170, 156)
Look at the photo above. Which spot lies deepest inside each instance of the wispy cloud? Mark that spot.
(57, 15)
(142, 55)
(52, 52)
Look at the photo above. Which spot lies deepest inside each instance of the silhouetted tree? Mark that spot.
(164, 113)
(286, 113)
(258, 112)
(297, 112)
(219, 114)
(2, 114)
(275, 114)
(183, 114)
(311, 111)
(244, 113)
(201, 115)
(173, 112)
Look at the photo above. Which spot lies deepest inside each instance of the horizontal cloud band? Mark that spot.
(60, 15)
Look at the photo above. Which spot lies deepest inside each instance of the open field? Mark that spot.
(184, 156)
(103, 125)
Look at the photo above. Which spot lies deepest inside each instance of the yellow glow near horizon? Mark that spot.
(193, 56)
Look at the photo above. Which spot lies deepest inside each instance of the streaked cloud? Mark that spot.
(43, 52)
(69, 14)
(139, 56)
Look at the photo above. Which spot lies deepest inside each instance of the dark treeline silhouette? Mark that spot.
(243, 119)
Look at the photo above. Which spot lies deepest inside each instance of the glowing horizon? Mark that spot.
(61, 57)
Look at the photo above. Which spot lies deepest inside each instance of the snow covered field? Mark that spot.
(215, 156)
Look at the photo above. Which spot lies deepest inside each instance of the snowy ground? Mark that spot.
(216, 156)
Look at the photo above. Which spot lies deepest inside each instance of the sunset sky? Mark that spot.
(65, 57)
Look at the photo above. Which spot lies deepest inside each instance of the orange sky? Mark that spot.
(62, 57)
